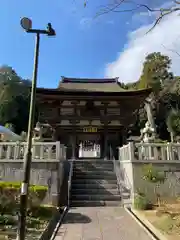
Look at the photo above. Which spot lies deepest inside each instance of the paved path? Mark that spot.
(100, 223)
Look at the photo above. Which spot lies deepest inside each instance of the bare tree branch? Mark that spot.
(171, 50)
(115, 7)
(108, 9)
(162, 15)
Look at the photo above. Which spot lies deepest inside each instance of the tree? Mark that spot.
(156, 75)
(173, 122)
(126, 6)
(155, 72)
(165, 94)
(14, 99)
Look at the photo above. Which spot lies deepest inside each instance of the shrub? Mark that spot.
(33, 222)
(7, 220)
(156, 177)
(36, 195)
(141, 202)
(153, 175)
(43, 212)
(9, 196)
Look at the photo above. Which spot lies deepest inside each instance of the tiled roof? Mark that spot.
(90, 85)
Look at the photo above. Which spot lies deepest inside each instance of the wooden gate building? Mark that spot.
(94, 113)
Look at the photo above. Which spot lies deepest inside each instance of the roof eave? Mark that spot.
(94, 93)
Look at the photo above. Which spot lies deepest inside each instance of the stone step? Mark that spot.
(96, 171)
(93, 186)
(93, 163)
(92, 160)
(94, 181)
(95, 197)
(77, 203)
(125, 196)
(94, 176)
(92, 191)
(93, 167)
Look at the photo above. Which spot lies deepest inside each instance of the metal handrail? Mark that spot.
(70, 180)
(115, 168)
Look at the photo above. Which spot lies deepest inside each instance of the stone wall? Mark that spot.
(47, 173)
(132, 177)
(170, 189)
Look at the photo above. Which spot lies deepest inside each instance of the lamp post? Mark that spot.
(26, 24)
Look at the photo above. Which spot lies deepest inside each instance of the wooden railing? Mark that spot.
(150, 152)
(45, 151)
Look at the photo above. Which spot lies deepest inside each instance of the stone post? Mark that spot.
(131, 171)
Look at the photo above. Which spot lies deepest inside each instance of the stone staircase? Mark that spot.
(94, 184)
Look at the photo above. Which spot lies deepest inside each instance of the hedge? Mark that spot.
(10, 193)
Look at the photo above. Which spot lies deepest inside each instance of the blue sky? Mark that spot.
(82, 48)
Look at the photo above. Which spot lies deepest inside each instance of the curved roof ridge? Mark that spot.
(88, 80)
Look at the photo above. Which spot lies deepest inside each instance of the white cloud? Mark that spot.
(165, 36)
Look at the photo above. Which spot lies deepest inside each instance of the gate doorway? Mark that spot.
(89, 145)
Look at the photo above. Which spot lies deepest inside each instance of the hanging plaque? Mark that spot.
(90, 129)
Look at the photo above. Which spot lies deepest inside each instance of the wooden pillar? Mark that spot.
(105, 142)
(73, 144)
(105, 133)
(74, 133)
(124, 136)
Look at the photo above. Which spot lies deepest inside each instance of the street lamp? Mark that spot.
(26, 24)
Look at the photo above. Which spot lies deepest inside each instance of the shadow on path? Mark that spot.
(76, 218)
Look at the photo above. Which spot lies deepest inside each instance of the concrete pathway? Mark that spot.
(100, 223)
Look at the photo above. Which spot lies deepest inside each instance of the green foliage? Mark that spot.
(141, 202)
(165, 95)
(9, 196)
(37, 216)
(156, 177)
(14, 99)
(153, 175)
(7, 220)
(44, 212)
(33, 222)
(155, 71)
(173, 122)
(155, 75)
